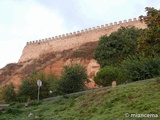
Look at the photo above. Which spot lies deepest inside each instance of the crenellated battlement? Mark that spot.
(85, 31)
(34, 49)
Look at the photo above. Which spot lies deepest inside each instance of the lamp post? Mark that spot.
(39, 83)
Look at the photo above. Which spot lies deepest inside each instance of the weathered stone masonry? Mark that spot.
(34, 49)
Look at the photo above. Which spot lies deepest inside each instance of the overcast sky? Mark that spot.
(28, 20)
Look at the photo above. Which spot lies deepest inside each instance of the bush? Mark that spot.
(8, 93)
(14, 108)
(15, 104)
(14, 111)
(73, 78)
(108, 74)
(28, 88)
(139, 68)
(55, 87)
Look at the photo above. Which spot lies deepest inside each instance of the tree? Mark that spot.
(73, 78)
(140, 68)
(28, 88)
(8, 93)
(53, 82)
(149, 44)
(109, 74)
(112, 49)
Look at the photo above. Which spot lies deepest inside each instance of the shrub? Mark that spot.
(108, 74)
(8, 93)
(14, 111)
(28, 88)
(55, 87)
(139, 68)
(15, 104)
(73, 78)
(14, 108)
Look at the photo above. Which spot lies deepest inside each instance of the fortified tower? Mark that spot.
(66, 41)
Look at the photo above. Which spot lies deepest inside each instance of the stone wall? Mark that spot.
(34, 49)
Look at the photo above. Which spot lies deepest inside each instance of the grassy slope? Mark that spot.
(142, 97)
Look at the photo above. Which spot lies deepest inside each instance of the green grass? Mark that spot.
(112, 104)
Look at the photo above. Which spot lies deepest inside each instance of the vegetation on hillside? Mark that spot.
(121, 55)
(109, 74)
(128, 55)
(72, 80)
(149, 44)
(111, 104)
(28, 88)
(139, 68)
(134, 52)
(8, 93)
(113, 49)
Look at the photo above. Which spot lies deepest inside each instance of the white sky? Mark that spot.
(28, 20)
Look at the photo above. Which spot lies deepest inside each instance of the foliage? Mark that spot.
(114, 48)
(149, 44)
(108, 74)
(73, 78)
(28, 88)
(140, 97)
(48, 80)
(8, 93)
(139, 68)
(55, 87)
(14, 109)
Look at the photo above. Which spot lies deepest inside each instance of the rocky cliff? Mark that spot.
(52, 62)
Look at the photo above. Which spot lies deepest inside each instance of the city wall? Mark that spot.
(34, 49)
